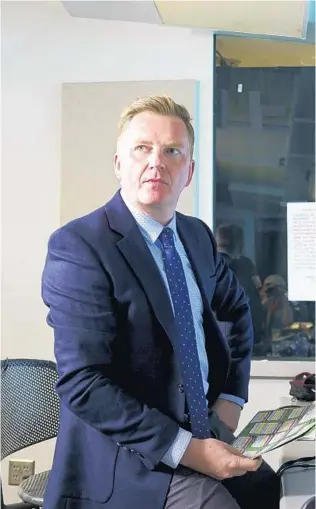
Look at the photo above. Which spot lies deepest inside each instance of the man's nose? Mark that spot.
(156, 158)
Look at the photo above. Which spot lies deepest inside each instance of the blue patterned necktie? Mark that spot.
(186, 348)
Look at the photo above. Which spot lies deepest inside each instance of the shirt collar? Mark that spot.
(150, 228)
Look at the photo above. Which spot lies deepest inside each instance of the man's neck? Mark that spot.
(163, 216)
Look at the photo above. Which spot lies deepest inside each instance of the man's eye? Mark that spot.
(172, 151)
(141, 148)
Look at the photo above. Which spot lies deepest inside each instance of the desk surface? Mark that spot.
(297, 449)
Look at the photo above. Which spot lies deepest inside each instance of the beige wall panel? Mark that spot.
(90, 113)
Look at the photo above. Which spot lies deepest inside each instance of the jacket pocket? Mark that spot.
(92, 477)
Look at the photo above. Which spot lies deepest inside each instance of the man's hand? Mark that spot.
(228, 412)
(217, 459)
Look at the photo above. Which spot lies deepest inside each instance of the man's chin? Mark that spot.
(153, 199)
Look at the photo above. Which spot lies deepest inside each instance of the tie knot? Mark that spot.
(166, 238)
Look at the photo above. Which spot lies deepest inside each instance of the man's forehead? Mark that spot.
(147, 123)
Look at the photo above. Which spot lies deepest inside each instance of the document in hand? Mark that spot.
(270, 429)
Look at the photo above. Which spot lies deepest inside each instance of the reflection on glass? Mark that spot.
(265, 158)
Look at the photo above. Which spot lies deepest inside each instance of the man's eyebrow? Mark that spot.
(142, 142)
(176, 144)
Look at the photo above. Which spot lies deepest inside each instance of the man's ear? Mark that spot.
(116, 163)
(191, 172)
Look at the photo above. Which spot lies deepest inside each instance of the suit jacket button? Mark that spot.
(180, 388)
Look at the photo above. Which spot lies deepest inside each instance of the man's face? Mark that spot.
(153, 161)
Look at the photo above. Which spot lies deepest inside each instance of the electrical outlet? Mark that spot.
(20, 470)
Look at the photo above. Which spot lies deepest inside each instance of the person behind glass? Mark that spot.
(150, 393)
(230, 243)
(279, 313)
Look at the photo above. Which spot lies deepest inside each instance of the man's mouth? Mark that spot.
(155, 181)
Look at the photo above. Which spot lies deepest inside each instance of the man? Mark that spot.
(230, 244)
(149, 389)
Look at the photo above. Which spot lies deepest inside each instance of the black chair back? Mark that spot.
(29, 403)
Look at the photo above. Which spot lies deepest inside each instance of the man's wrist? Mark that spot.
(234, 399)
(173, 456)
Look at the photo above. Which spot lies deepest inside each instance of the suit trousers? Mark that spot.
(254, 490)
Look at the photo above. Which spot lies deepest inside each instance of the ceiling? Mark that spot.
(287, 18)
(244, 16)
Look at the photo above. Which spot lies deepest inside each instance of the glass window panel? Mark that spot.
(265, 158)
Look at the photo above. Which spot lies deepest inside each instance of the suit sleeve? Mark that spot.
(77, 290)
(231, 305)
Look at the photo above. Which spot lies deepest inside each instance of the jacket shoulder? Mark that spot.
(198, 224)
(86, 226)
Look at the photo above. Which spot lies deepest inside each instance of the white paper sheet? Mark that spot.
(301, 245)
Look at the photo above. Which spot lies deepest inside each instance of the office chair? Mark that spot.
(310, 503)
(29, 415)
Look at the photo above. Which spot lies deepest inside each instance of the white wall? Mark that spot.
(42, 48)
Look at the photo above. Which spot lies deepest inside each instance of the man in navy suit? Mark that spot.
(150, 390)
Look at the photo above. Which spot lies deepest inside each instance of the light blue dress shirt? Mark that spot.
(151, 229)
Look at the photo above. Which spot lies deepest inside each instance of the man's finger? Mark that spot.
(248, 464)
(238, 473)
(236, 452)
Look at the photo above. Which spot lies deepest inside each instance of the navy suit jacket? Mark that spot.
(119, 383)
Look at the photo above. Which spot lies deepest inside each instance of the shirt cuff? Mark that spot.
(175, 452)
(234, 399)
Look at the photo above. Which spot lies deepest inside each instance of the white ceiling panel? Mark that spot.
(117, 10)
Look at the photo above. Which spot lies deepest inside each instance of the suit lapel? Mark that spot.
(133, 247)
(201, 266)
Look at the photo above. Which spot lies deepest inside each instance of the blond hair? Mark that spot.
(160, 105)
